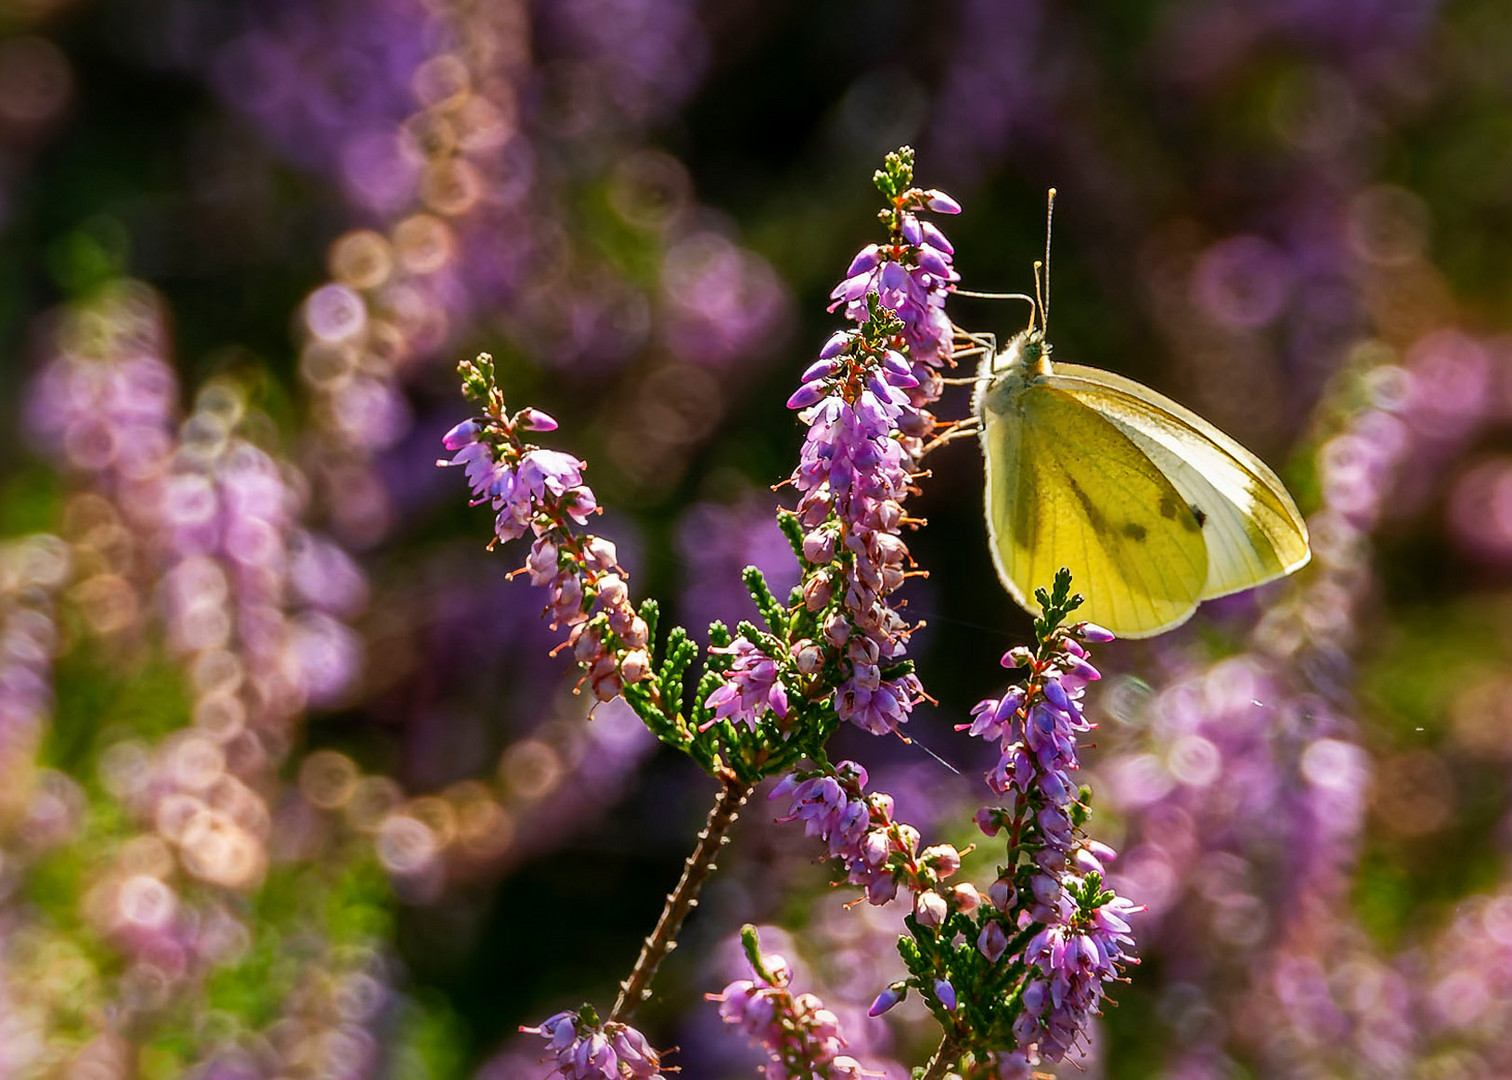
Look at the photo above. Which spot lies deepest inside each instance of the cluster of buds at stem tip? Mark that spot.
(799, 1034)
(864, 402)
(1052, 890)
(540, 491)
(582, 1048)
(878, 853)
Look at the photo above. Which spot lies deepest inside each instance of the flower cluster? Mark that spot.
(585, 1049)
(753, 685)
(801, 1036)
(542, 491)
(1076, 955)
(862, 401)
(1036, 727)
(853, 478)
(877, 852)
(912, 275)
(1053, 884)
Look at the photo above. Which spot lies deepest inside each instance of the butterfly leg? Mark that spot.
(960, 429)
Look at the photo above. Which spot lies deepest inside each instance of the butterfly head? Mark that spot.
(1024, 359)
(1027, 354)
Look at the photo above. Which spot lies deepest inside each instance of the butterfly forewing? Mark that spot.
(1253, 530)
(1066, 487)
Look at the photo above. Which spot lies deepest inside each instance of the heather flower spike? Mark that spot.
(1012, 968)
(800, 1036)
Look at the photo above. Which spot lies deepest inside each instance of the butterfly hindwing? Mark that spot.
(1066, 487)
(1253, 530)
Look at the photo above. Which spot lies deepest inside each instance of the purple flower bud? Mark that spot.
(887, 999)
(940, 202)
(945, 993)
(932, 261)
(807, 394)
(936, 239)
(819, 546)
(1047, 889)
(835, 345)
(992, 942)
(943, 859)
(1089, 631)
(966, 897)
(464, 433)
(1002, 893)
(535, 420)
(866, 259)
(1055, 693)
(808, 656)
(1017, 657)
(930, 908)
(817, 592)
(819, 369)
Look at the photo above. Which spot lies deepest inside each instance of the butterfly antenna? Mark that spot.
(1049, 220)
(1039, 297)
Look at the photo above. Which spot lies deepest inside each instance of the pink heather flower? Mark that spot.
(992, 942)
(611, 1051)
(1075, 960)
(541, 491)
(930, 908)
(549, 471)
(464, 434)
(751, 686)
(801, 1036)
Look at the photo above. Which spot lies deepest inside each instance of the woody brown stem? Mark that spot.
(945, 1057)
(683, 899)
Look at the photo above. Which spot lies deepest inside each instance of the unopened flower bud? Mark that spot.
(1017, 657)
(819, 546)
(464, 434)
(635, 666)
(945, 993)
(992, 942)
(930, 908)
(943, 859)
(607, 687)
(888, 998)
(836, 630)
(967, 898)
(585, 643)
(1089, 631)
(634, 636)
(535, 420)
(808, 656)
(601, 553)
(817, 592)
(779, 968)
(1002, 893)
(836, 343)
(612, 591)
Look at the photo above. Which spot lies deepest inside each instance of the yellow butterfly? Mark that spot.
(1152, 508)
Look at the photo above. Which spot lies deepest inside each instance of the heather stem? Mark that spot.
(683, 899)
(945, 1057)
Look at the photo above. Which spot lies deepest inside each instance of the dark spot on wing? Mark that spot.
(1133, 530)
(1094, 515)
(1169, 507)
